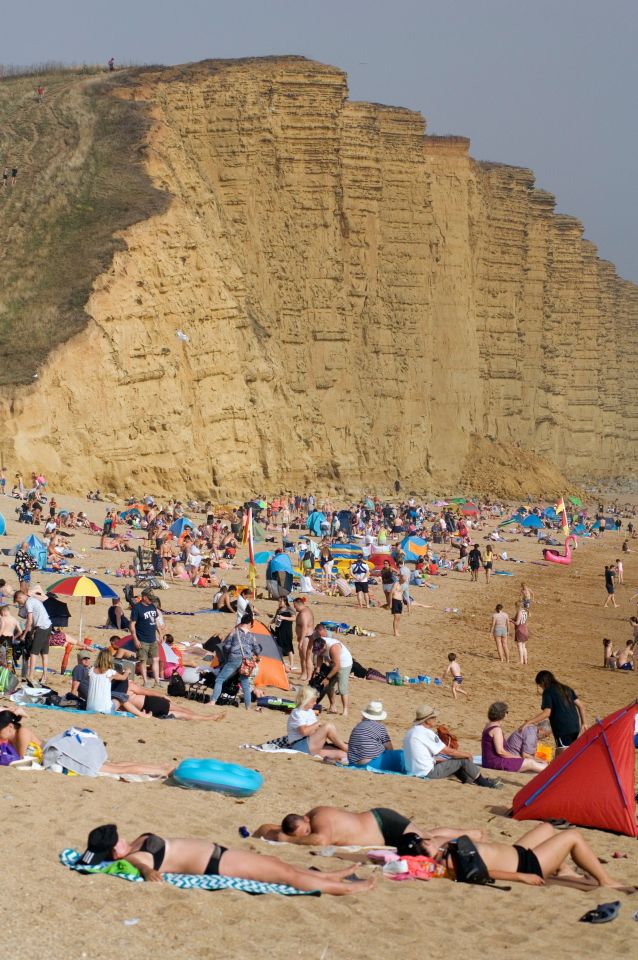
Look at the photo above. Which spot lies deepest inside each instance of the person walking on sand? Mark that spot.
(454, 669)
(500, 632)
(396, 605)
(609, 587)
(521, 634)
(475, 560)
(620, 573)
(527, 596)
(488, 562)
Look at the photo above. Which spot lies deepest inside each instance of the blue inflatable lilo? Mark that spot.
(211, 774)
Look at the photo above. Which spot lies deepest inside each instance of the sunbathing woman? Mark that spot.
(540, 855)
(162, 707)
(153, 855)
(27, 744)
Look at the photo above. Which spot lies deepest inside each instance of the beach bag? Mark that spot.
(8, 681)
(468, 864)
(247, 665)
(447, 737)
(176, 686)
(8, 754)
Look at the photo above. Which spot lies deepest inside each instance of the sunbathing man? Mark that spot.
(153, 855)
(333, 826)
(540, 855)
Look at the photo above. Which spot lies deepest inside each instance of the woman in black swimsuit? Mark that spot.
(541, 854)
(153, 855)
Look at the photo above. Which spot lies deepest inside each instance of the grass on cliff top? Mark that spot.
(81, 178)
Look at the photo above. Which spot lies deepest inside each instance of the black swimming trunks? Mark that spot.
(212, 867)
(391, 824)
(397, 607)
(528, 861)
(157, 706)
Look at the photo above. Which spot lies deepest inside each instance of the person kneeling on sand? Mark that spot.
(153, 855)
(307, 734)
(540, 855)
(333, 826)
(422, 747)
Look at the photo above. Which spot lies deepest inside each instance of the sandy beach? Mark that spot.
(61, 914)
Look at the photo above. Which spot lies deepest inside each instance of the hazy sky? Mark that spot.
(546, 84)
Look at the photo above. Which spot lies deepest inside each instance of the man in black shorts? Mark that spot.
(396, 606)
(333, 826)
(360, 575)
(144, 625)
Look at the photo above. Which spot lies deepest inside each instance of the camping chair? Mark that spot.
(144, 567)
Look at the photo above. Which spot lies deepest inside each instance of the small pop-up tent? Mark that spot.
(591, 784)
(38, 550)
(178, 527)
(314, 522)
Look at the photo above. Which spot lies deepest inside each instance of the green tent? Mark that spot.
(576, 501)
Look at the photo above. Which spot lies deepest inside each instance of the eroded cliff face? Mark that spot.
(363, 302)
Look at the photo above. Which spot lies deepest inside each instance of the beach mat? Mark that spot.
(184, 881)
(85, 713)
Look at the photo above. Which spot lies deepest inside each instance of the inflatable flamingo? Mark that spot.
(553, 556)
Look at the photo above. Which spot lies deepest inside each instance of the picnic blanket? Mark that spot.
(184, 881)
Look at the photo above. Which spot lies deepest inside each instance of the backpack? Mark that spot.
(8, 681)
(447, 737)
(468, 864)
(176, 686)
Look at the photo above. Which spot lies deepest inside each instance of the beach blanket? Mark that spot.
(85, 713)
(184, 881)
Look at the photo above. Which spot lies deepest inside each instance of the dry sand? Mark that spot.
(53, 912)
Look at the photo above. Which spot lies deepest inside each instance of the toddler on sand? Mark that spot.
(454, 669)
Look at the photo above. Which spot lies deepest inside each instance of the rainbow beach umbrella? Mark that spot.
(81, 586)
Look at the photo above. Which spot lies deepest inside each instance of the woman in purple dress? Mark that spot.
(495, 755)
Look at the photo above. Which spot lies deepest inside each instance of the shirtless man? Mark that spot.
(333, 826)
(396, 605)
(154, 855)
(304, 627)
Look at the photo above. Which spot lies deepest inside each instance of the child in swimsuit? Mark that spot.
(454, 669)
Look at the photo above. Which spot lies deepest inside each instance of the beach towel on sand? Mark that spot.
(184, 881)
(278, 745)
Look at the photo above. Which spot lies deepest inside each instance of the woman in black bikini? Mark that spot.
(541, 854)
(153, 855)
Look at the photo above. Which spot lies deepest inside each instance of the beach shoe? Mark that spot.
(603, 913)
(496, 784)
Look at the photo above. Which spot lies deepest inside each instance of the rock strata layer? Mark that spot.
(363, 303)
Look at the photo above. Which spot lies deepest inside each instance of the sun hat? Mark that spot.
(425, 712)
(374, 711)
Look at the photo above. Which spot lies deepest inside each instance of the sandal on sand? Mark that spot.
(603, 913)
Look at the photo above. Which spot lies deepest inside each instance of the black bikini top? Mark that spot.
(156, 847)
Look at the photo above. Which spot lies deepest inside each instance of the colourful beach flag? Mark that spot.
(247, 540)
(562, 513)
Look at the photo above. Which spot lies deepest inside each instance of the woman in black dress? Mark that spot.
(281, 626)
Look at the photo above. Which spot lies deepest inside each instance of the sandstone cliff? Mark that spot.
(363, 302)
